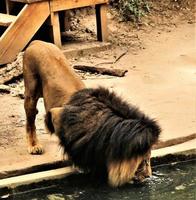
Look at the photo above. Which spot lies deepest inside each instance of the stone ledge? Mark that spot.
(75, 49)
(175, 149)
(36, 177)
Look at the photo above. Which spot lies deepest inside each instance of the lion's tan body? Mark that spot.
(47, 74)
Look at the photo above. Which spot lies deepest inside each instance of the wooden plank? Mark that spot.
(19, 33)
(56, 29)
(26, 1)
(101, 70)
(58, 5)
(9, 6)
(6, 20)
(101, 19)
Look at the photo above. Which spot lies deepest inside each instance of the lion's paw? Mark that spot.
(36, 149)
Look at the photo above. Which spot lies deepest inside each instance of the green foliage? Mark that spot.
(131, 10)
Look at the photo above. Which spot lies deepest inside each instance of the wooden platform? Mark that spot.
(23, 27)
(6, 20)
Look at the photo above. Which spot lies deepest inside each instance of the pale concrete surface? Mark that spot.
(180, 148)
(36, 177)
(162, 81)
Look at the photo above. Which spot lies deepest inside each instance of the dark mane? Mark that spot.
(97, 126)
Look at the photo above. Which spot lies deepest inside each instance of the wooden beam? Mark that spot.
(101, 19)
(58, 5)
(26, 1)
(56, 33)
(101, 70)
(19, 33)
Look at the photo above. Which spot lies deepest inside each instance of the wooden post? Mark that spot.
(56, 29)
(67, 23)
(9, 6)
(101, 18)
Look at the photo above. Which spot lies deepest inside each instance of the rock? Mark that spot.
(56, 197)
(180, 187)
(4, 89)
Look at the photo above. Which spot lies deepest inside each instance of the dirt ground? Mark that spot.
(160, 55)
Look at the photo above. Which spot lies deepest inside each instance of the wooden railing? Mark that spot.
(22, 28)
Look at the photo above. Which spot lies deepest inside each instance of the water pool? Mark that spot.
(169, 182)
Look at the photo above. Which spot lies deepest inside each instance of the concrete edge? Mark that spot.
(35, 168)
(36, 177)
(179, 148)
(82, 50)
(180, 153)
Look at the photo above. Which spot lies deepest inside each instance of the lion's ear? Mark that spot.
(52, 118)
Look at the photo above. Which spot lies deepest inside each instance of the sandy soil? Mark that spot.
(161, 80)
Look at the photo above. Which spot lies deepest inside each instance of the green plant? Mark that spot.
(131, 9)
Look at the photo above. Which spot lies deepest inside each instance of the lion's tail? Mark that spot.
(48, 122)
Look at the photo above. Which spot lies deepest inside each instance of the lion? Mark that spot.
(101, 133)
